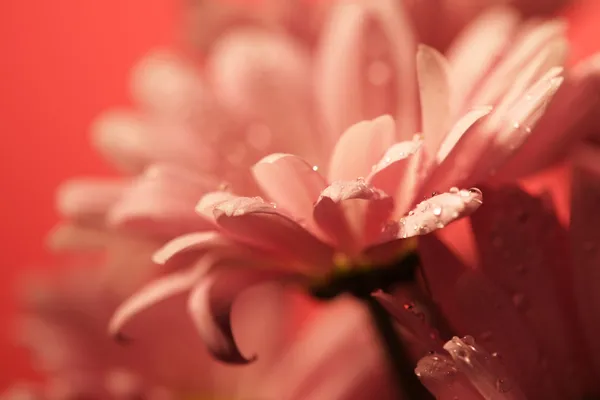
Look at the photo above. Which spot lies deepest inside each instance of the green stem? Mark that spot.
(402, 367)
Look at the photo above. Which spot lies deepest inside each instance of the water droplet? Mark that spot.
(518, 299)
(454, 190)
(502, 386)
(379, 73)
(465, 193)
(389, 159)
(259, 136)
(496, 355)
(274, 205)
(516, 125)
(476, 191)
(437, 211)
(411, 213)
(224, 186)
(315, 168)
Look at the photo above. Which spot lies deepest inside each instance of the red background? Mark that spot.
(62, 63)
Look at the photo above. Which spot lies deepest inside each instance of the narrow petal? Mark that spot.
(353, 214)
(161, 202)
(210, 200)
(490, 34)
(88, 201)
(442, 378)
(439, 211)
(180, 250)
(69, 237)
(260, 224)
(365, 66)
(360, 148)
(483, 370)
(435, 90)
(210, 305)
(154, 293)
(291, 183)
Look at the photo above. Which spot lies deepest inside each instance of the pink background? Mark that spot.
(61, 64)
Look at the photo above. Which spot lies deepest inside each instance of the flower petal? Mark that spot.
(436, 92)
(353, 214)
(183, 249)
(154, 293)
(483, 370)
(365, 66)
(290, 182)
(87, 201)
(360, 148)
(260, 224)
(69, 237)
(210, 200)
(439, 211)
(161, 202)
(210, 305)
(439, 374)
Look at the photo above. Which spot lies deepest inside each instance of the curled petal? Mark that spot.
(179, 250)
(435, 90)
(161, 202)
(360, 147)
(441, 377)
(439, 211)
(210, 305)
(154, 293)
(260, 224)
(88, 200)
(290, 182)
(352, 213)
(483, 370)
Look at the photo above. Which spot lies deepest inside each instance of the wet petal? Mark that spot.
(290, 182)
(439, 211)
(353, 214)
(154, 293)
(360, 148)
(483, 370)
(161, 202)
(210, 306)
(441, 377)
(260, 224)
(365, 66)
(435, 90)
(210, 200)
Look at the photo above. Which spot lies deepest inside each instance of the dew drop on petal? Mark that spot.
(454, 190)
(315, 168)
(437, 211)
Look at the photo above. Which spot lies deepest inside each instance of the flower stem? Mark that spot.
(403, 374)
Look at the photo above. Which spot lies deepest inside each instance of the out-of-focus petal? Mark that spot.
(260, 224)
(161, 202)
(442, 378)
(483, 370)
(365, 66)
(436, 96)
(69, 237)
(155, 292)
(87, 201)
(360, 148)
(352, 214)
(439, 211)
(291, 183)
(184, 248)
(210, 306)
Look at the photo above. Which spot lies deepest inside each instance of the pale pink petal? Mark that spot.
(353, 214)
(182, 249)
(528, 46)
(154, 293)
(260, 224)
(165, 86)
(439, 211)
(264, 78)
(435, 90)
(161, 202)
(490, 34)
(441, 377)
(360, 148)
(396, 164)
(87, 201)
(483, 370)
(210, 200)
(210, 306)
(68, 237)
(290, 182)
(365, 66)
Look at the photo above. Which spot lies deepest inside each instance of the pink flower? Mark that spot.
(64, 324)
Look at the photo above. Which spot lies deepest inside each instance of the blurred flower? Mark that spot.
(64, 325)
